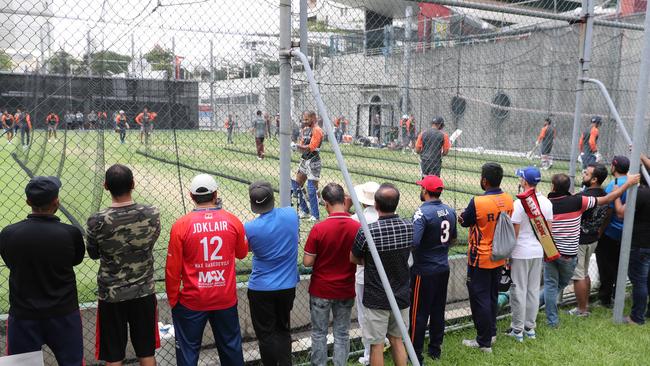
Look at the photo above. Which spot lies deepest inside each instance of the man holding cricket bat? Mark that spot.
(567, 212)
(432, 144)
(526, 260)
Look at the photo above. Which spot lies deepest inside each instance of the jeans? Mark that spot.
(24, 132)
(189, 326)
(320, 315)
(638, 273)
(557, 275)
(270, 315)
(483, 288)
(608, 252)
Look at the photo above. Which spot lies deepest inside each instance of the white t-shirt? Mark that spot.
(528, 247)
(371, 216)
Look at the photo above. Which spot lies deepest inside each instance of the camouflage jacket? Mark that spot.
(123, 238)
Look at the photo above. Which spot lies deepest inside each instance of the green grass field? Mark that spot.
(163, 183)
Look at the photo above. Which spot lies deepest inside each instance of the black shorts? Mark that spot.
(140, 314)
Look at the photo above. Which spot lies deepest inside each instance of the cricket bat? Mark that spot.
(538, 223)
(455, 136)
(529, 155)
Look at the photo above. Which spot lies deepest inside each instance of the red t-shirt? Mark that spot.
(331, 241)
(201, 254)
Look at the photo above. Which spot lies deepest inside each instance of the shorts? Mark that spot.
(379, 323)
(146, 128)
(51, 127)
(585, 252)
(311, 168)
(139, 316)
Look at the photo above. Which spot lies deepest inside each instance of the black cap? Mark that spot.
(261, 195)
(596, 119)
(437, 120)
(621, 163)
(42, 190)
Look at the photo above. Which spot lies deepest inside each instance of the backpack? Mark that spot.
(504, 238)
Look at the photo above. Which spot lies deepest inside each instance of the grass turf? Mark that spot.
(594, 340)
(86, 154)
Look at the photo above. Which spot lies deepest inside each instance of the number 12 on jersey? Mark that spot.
(206, 248)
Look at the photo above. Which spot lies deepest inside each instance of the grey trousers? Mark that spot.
(524, 293)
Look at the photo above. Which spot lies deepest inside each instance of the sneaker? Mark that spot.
(578, 313)
(304, 215)
(494, 340)
(312, 219)
(530, 333)
(258, 158)
(364, 360)
(628, 320)
(472, 343)
(518, 336)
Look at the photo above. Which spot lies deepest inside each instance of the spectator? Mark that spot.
(259, 126)
(434, 230)
(366, 195)
(393, 237)
(40, 253)
(639, 268)
(567, 212)
(123, 237)
(202, 249)
(484, 274)
(332, 281)
(609, 245)
(432, 144)
(590, 228)
(273, 239)
(526, 260)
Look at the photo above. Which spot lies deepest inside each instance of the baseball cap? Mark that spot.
(431, 183)
(437, 120)
(530, 174)
(261, 195)
(366, 192)
(203, 184)
(622, 163)
(121, 111)
(596, 119)
(405, 116)
(42, 190)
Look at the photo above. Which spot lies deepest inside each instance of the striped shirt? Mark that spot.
(567, 214)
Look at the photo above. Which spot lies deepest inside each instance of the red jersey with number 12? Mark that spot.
(202, 249)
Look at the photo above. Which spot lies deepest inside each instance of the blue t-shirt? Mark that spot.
(434, 228)
(273, 239)
(615, 228)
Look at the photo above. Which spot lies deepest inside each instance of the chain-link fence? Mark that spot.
(384, 68)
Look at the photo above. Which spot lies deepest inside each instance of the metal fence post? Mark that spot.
(285, 103)
(304, 41)
(407, 60)
(585, 59)
(638, 145)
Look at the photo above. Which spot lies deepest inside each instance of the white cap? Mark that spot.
(366, 192)
(121, 111)
(203, 184)
(405, 116)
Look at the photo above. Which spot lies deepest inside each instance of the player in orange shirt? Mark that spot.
(23, 122)
(8, 125)
(145, 120)
(52, 122)
(310, 165)
(589, 143)
(201, 255)
(545, 138)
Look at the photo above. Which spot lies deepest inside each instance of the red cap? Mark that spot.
(431, 183)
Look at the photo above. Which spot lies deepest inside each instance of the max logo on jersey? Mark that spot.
(212, 278)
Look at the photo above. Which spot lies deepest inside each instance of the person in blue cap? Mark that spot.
(526, 260)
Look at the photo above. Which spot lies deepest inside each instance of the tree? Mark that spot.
(161, 59)
(107, 63)
(5, 61)
(62, 62)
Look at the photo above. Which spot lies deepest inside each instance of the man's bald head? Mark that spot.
(387, 198)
